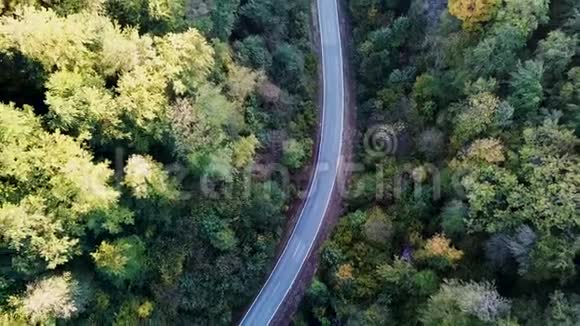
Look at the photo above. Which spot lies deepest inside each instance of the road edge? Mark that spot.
(297, 204)
(335, 209)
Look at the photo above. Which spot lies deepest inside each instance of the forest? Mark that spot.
(132, 133)
(151, 152)
(471, 215)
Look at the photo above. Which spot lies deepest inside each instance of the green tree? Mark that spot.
(122, 260)
(265, 16)
(34, 33)
(52, 188)
(244, 150)
(377, 52)
(62, 7)
(128, 12)
(318, 293)
(252, 52)
(223, 18)
(539, 192)
(288, 66)
(570, 96)
(296, 153)
(370, 14)
(475, 117)
(563, 309)
(552, 258)
(378, 228)
(556, 52)
(496, 54)
(85, 52)
(11, 318)
(133, 311)
(452, 218)
(459, 303)
(146, 178)
(80, 104)
(527, 91)
(526, 15)
(219, 234)
(426, 88)
(155, 16)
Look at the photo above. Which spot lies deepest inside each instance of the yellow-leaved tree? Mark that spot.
(473, 12)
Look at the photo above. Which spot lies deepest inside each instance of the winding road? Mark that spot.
(299, 246)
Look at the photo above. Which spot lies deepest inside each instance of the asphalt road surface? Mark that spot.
(297, 250)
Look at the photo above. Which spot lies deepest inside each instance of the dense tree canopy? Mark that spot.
(128, 136)
(473, 219)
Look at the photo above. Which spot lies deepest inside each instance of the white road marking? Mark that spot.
(338, 91)
(298, 249)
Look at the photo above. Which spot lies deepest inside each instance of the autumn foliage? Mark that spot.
(473, 12)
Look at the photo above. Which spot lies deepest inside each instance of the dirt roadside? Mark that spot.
(336, 208)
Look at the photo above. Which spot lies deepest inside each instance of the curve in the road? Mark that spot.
(303, 237)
